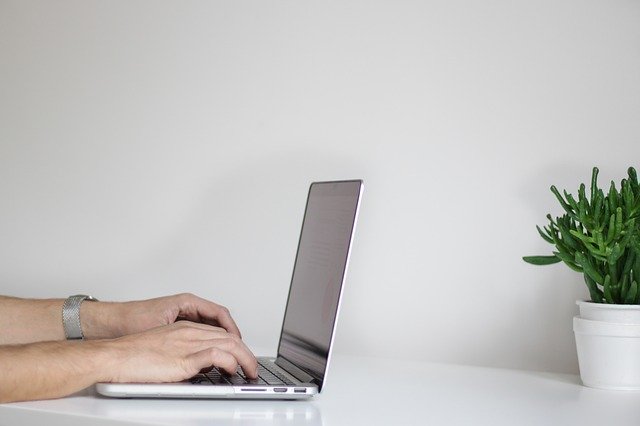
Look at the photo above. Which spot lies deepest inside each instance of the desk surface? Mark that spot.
(356, 393)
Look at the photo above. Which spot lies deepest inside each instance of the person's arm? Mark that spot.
(28, 320)
(163, 354)
(32, 320)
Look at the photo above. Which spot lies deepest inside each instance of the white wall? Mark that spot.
(156, 147)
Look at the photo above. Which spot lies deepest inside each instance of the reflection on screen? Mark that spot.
(318, 275)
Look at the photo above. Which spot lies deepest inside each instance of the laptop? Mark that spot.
(299, 370)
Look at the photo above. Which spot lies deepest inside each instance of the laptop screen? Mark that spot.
(318, 275)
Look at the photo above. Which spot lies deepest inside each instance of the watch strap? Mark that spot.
(71, 316)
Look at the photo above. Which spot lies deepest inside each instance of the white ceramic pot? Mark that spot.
(608, 354)
(619, 314)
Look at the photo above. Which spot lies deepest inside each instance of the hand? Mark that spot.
(177, 352)
(109, 320)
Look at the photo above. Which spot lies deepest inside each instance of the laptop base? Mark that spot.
(206, 390)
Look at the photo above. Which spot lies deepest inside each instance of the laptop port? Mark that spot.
(300, 390)
(279, 389)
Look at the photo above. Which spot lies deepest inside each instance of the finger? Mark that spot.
(225, 320)
(197, 309)
(235, 346)
(199, 326)
(213, 357)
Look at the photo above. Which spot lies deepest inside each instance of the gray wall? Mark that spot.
(157, 147)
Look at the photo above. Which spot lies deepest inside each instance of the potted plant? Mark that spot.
(599, 236)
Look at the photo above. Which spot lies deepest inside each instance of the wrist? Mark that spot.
(99, 320)
(106, 360)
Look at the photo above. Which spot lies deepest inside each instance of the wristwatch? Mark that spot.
(71, 316)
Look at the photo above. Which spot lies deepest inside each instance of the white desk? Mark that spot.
(358, 394)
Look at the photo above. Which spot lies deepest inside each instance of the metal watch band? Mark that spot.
(71, 316)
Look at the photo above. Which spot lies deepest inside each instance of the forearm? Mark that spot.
(51, 369)
(28, 320)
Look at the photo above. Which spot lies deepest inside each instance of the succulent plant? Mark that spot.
(599, 236)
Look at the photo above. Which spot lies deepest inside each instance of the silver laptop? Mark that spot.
(299, 370)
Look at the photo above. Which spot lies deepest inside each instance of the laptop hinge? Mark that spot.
(294, 371)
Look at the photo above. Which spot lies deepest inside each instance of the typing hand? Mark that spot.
(109, 320)
(177, 352)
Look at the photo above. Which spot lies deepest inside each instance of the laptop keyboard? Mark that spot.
(266, 376)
